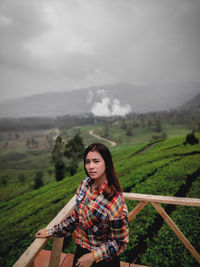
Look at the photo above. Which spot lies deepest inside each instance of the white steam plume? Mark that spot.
(107, 107)
(120, 110)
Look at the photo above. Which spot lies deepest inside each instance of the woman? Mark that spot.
(100, 215)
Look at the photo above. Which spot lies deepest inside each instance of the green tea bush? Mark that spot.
(163, 169)
(166, 249)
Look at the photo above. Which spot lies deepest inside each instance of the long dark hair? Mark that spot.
(113, 182)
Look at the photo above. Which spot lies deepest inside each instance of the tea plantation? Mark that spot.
(162, 168)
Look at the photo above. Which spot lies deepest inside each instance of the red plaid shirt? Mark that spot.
(101, 223)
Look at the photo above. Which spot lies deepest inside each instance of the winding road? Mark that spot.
(101, 138)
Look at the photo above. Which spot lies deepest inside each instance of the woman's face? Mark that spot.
(95, 166)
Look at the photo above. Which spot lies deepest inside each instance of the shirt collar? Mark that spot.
(99, 188)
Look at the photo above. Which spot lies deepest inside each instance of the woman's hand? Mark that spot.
(42, 233)
(85, 261)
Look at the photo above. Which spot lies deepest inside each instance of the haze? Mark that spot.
(48, 45)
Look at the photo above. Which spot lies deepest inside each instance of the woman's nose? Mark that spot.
(91, 165)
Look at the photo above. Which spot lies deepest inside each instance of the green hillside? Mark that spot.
(164, 168)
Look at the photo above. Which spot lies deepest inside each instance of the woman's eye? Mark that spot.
(95, 161)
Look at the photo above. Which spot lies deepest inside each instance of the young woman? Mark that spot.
(100, 215)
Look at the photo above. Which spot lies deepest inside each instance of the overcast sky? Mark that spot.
(60, 45)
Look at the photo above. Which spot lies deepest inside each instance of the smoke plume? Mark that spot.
(108, 107)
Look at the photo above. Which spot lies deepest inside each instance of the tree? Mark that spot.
(123, 125)
(17, 136)
(129, 130)
(4, 180)
(5, 145)
(32, 143)
(38, 182)
(105, 130)
(191, 139)
(149, 123)
(50, 171)
(158, 126)
(57, 159)
(59, 170)
(22, 178)
(28, 143)
(74, 150)
(74, 147)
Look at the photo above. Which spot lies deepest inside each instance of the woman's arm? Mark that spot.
(64, 228)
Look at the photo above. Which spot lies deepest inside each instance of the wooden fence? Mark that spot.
(27, 259)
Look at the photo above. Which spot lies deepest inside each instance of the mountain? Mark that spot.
(193, 104)
(104, 99)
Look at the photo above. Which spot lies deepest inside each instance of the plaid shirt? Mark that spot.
(101, 223)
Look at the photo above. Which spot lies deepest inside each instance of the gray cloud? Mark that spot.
(61, 45)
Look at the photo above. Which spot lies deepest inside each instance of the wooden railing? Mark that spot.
(27, 259)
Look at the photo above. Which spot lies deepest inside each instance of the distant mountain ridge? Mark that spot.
(139, 98)
(193, 104)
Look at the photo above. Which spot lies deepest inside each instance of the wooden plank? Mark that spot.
(42, 259)
(137, 265)
(176, 230)
(32, 251)
(68, 208)
(56, 252)
(163, 199)
(68, 260)
(124, 264)
(136, 210)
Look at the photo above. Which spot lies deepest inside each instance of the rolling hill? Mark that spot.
(116, 99)
(166, 168)
(192, 105)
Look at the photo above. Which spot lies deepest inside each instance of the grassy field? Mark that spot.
(164, 167)
(17, 158)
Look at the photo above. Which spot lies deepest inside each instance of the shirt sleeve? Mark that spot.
(65, 227)
(118, 238)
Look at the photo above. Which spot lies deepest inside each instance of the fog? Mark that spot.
(61, 45)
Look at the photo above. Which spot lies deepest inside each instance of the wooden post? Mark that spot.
(136, 210)
(176, 230)
(32, 265)
(56, 252)
(33, 250)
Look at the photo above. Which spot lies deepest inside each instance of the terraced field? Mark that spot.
(164, 168)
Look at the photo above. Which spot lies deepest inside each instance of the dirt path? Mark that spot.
(101, 138)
